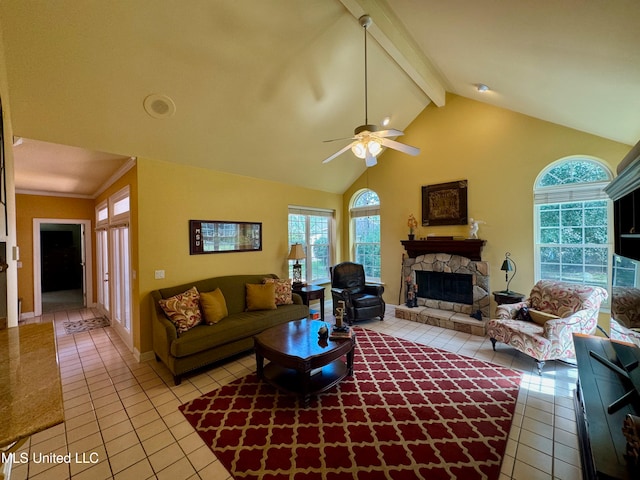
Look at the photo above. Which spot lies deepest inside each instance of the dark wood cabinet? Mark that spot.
(625, 193)
(602, 442)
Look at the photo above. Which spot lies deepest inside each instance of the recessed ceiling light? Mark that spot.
(386, 121)
(482, 88)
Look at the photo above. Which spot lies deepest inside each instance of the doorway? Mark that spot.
(61, 271)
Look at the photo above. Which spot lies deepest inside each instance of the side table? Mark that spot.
(502, 297)
(312, 292)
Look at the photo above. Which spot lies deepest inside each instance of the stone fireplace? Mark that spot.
(450, 287)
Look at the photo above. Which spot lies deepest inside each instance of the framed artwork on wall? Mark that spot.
(212, 236)
(445, 204)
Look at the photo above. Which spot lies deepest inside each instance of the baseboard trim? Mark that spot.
(143, 357)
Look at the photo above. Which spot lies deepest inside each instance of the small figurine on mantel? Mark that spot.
(473, 227)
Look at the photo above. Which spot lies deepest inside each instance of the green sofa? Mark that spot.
(206, 344)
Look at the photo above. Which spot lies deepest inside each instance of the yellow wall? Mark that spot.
(29, 207)
(500, 153)
(171, 195)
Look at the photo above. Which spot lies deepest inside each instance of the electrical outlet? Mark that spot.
(159, 274)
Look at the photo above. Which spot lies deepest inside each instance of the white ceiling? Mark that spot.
(258, 86)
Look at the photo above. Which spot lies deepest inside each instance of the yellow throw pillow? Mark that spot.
(541, 317)
(261, 296)
(214, 306)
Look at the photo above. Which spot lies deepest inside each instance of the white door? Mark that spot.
(102, 260)
(120, 282)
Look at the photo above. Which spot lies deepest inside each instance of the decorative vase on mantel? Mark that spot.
(412, 223)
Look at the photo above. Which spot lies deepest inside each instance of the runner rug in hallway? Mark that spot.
(409, 412)
(79, 326)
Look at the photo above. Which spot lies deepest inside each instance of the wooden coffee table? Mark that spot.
(299, 362)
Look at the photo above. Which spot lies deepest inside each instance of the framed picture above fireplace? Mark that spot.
(444, 204)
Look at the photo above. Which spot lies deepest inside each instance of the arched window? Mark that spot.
(573, 222)
(365, 232)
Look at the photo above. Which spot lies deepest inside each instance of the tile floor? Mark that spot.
(122, 417)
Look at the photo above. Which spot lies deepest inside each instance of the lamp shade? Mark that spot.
(296, 252)
(508, 265)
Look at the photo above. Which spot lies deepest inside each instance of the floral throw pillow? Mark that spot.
(283, 290)
(183, 310)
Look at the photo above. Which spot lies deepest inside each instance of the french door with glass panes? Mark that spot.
(114, 260)
(102, 257)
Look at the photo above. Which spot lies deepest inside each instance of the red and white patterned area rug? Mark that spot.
(409, 412)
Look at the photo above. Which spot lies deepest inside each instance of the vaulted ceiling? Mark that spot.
(258, 85)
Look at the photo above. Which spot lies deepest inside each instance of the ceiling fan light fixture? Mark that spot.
(374, 147)
(359, 149)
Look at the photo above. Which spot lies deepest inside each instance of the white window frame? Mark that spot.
(309, 212)
(119, 212)
(358, 212)
(572, 193)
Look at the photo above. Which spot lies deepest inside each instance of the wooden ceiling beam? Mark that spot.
(390, 33)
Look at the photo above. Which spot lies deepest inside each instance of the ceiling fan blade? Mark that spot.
(400, 146)
(338, 153)
(336, 139)
(370, 160)
(392, 132)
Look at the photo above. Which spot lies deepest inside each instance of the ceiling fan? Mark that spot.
(368, 139)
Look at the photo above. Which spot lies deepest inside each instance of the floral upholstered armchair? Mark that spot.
(554, 312)
(625, 314)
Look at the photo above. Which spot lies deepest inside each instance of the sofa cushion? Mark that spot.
(183, 309)
(261, 297)
(214, 306)
(234, 327)
(233, 288)
(283, 290)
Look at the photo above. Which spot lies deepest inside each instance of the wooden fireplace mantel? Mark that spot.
(465, 247)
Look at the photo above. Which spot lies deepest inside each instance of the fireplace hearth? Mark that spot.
(452, 274)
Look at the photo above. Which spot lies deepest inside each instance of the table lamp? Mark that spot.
(508, 265)
(296, 253)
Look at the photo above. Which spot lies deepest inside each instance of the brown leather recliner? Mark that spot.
(362, 300)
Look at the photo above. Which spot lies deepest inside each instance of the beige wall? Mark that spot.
(171, 195)
(29, 207)
(500, 153)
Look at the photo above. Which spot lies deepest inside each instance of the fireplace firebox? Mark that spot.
(448, 287)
